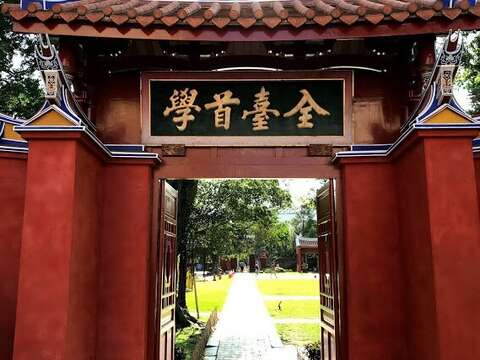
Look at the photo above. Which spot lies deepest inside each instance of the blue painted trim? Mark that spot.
(383, 150)
(370, 147)
(10, 120)
(448, 126)
(13, 149)
(14, 143)
(129, 148)
(128, 151)
(29, 128)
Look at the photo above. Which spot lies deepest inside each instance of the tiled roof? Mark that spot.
(305, 242)
(269, 14)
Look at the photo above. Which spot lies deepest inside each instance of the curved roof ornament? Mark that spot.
(58, 88)
(438, 92)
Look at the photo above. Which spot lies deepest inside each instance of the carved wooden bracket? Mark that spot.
(173, 150)
(319, 150)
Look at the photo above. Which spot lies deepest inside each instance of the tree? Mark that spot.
(470, 74)
(20, 90)
(276, 238)
(226, 213)
(187, 191)
(305, 221)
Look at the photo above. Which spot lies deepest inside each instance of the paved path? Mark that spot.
(289, 297)
(296, 321)
(245, 331)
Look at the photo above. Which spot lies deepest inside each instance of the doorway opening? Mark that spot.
(247, 269)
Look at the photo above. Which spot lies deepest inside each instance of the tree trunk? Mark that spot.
(187, 190)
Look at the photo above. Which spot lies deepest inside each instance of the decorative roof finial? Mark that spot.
(58, 88)
(438, 92)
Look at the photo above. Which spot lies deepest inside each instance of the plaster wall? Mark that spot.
(416, 251)
(12, 198)
(375, 318)
(56, 310)
(455, 238)
(123, 271)
(82, 312)
(476, 164)
(439, 232)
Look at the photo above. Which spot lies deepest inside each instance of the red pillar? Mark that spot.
(440, 234)
(12, 198)
(477, 172)
(125, 244)
(374, 303)
(56, 310)
(298, 253)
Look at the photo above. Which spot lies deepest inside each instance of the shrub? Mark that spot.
(179, 353)
(313, 351)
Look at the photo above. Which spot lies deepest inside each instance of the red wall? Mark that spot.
(455, 237)
(124, 248)
(12, 198)
(84, 256)
(414, 235)
(412, 248)
(476, 163)
(375, 318)
(437, 194)
(56, 303)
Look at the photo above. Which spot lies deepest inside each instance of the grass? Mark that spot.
(298, 334)
(186, 339)
(294, 309)
(211, 295)
(295, 333)
(304, 287)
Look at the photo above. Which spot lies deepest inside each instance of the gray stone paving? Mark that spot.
(245, 330)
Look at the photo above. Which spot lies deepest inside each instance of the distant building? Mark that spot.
(306, 250)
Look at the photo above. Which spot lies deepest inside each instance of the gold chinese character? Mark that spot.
(260, 111)
(305, 117)
(182, 103)
(222, 112)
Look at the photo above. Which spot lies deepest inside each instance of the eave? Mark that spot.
(361, 22)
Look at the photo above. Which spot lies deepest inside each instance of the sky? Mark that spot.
(300, 188)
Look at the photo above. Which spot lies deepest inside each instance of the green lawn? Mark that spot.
(304, 287)
(298, 334)
(186, 339)
(211, 295)
(296, 309)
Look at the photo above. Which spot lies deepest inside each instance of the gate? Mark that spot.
(166, 279)
(328, 272)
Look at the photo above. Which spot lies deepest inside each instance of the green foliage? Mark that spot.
(305, 220)
(227, 213)
(298, 334)
(276, 238)
(20, 92)
(313, 350)
(470, 74)
(185, 341)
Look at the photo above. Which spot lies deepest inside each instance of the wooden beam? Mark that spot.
(437, 25)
